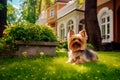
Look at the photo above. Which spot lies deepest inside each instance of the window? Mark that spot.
(105, 19)
(105, 27)
(51, 13)
(70, 25)
(62, 32)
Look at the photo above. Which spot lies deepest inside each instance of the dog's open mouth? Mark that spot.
(76, 45)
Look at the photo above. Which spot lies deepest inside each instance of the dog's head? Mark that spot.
(77, 41)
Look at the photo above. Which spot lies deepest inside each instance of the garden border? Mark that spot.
(35, 48)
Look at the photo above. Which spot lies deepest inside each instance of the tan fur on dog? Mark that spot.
(77, 48)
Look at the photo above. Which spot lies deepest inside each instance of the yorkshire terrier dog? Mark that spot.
(77, 48)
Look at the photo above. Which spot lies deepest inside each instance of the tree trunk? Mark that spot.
(3, 14)
(40, 6)
(91, 22)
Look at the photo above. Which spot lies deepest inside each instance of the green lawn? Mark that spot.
(56, 68)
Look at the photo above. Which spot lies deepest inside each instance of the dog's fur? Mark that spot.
(77, 48)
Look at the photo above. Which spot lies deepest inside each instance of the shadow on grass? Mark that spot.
(55, 68)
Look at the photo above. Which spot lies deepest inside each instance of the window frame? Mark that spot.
(51, 13)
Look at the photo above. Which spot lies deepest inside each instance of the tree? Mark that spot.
(29, 11)
(3, 14)
(11, 14)
(92, 27)
(32, 8)
(43, 4)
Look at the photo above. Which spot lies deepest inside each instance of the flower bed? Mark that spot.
(32, 39)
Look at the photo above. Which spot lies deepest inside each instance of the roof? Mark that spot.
(62, 1)
(71, 12)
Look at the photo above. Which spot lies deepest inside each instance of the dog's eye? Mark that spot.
(74, 39)
(79, 39)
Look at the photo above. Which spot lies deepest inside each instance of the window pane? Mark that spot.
(72, 27)
(60, 33)
(63, 33)
(108, 28)
(51, 13)
(103, 29)
(103, 20)
(108, 19)
(68, 28)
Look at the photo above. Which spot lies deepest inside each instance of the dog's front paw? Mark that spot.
(70, 60)
(67, 62)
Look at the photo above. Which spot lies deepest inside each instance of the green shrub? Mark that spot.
(63, 45)
(7, 45)
(26, 32)
(90, 46)
(31, 32)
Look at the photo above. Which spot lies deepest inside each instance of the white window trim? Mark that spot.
(69, 25)
(59, 30)
(110, 13)
(62, 35)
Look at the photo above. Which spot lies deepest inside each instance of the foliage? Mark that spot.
(79, 3)
(90, 46)
(1, 6)
(55, 68)
(31, 32)
(3, 10)
(7, 45)
(31, 9)
(11, 13)
(63, 45)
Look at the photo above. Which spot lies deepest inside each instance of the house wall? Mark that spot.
(52, 20)
(106, 10)
(75, 16)
(55, 7)
(117, 20)
(107, 4)
(114, 5)
(100, 2)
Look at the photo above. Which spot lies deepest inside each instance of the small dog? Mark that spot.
(77, 48)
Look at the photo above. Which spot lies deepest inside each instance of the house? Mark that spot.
(42, 18)
(65, 15)
(52, 11)
(108, 18)
(62, 16)
(69, 17)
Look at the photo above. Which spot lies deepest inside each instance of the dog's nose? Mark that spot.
(76, 41)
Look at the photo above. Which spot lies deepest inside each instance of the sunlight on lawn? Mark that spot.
(62, 61)
(111, 59)
(56, 68)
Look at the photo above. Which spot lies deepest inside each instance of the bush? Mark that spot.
(63, 45)
(31, 32)
(90, 46)
(7, 46)
(26, 32)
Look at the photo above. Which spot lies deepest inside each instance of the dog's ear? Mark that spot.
(83, 33)
(71, 33)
